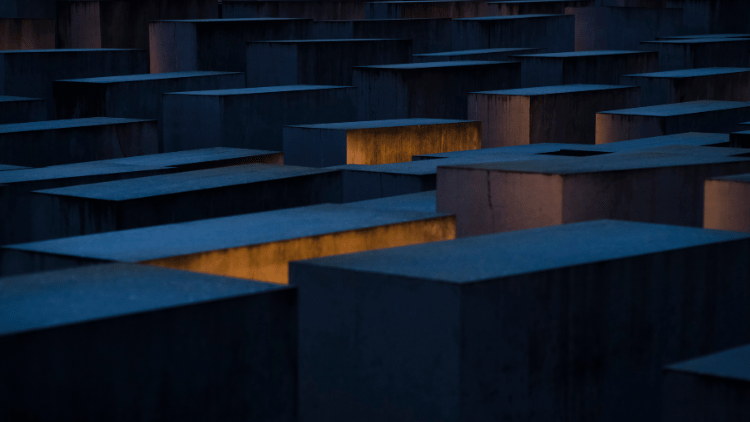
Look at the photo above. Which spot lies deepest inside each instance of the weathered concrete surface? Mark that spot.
(24, 9)
(668, 119)
(421, 9)
(377, 141)
(676, 86)
(676, 54)
(215, 44)
(708, 388)
(54, 142)
(553, 32)
(661, 185)
(427, 35)
(30, 73)
(434, 90)
(319, 62)
(491, 54)
(251, 117)
(165, 344)
(585, 67)
(622, 28)
(593, 309)
(310, 9)
(534, 7)
(240, 246)
(726, 203)
(27, 34)
(200, 159)
(21, 109)
(559, 114)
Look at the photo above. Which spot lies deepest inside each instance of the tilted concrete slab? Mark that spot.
(557, 114)
(422, 201)
(251, 117)
(22, 109)
(430, 326)
(427, 35)
(434, 90)
(377, 141)
(313, 9)
(668, 119)
(240, 246)
(421, 9)
(490, 54)
(199, 159)
(676, 86)
(553, 32)
(678, 54)
(166, 343)
(725, 205)
(27, 34)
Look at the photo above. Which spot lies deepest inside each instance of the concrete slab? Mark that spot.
(422, 202)
(700, 16)
(433, 90)
(166, 343)
(427, 35)
(553, 32)
(676, 86)
(697, 53)
(54, 142)
(315, 9)
(708, 387)
(319, 62)
(565, 304)
(44, 9)
(558, 114)
(251, 117)
(491, 54)
(377, 141)
(534, 7)
(661, 185)
(668, 119)
(6, 167)
(180, 197)
(421, 9)
(740, 139)
(27, 34)
(199, 159)
(725, 204)
(30, 73)
(22, 109)
(700, 36)
(215, 44)
(584, 67)
(239, 246)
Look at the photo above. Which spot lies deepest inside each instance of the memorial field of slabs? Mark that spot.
(350, 210)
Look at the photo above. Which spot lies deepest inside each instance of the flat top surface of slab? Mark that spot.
(732, 364)
(739, 178)
(696, 40)
(432, 65)
(514, 253)
(259, 90)
(469, 52)
(49, 299)
(137, 245)
(526, 149)
(705, 36)
(691, 73)
(234, 20)
(554, 89)
(678, 109)
(143, 187)
(150, 77)
(374, 124)
(66, 124)
(6, 167)
(192, 156)
(508, 17)
(328, 41)
(574, 54)
(422, 202)
(68, 50)
(65, 171)
(9, 98)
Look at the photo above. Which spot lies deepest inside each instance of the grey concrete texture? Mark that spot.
(585, 67)
(215, 44)
(676, 86)
(622, 28)
(534, 7)
(556, 33)
(710, 387)
(429, 327)
(668, 119)
(661, 185)
(251, 117)
(166, 346)
(319, 62)
(27, 34)
(30, 73)
(676, 54)
(421, 9)
(55, 142)
(557, 114)
(180, 197)
(427, 35)
(428, 90)
(22, 109)
(312, 9)
(490, 54)
(121, 24)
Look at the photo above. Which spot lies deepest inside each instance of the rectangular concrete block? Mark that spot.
(171, 343)
(310, 9)
(427, 35)
(699, 16)
(676, 86)
(534, 7)
(434, 90)
(200, 159)
(668, 119)
(251, 117)
(53, 142)
(40, 9)
(429, 328)
(239, 246)
(585, 67)
(319, 62)
(377, 141)
(679, 54)
(22, 109)
(215, 44)
(426, 9)
(27, 34)
(725, 203)
(558, 114)
(661, 185)
(490, 54)
(553, 32)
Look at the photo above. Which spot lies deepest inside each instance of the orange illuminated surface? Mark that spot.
(726, 204)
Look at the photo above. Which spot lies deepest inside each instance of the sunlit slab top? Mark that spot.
(679, 109)
(148, 77)
(496, 256)
(553, 90)
(66, 124)
(692, 73)
(731, 364)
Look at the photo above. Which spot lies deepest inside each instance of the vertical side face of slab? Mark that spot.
(690, 397)
(23, 111)
(191, 122)
(381, 94)
(270, 64)
(654, 91)
(622, 127)
(314, 147)
(79, 25)
(541, 71)
(726, 205)
(607, 69)
(173, 46)
(506, 119)
(75, 100)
